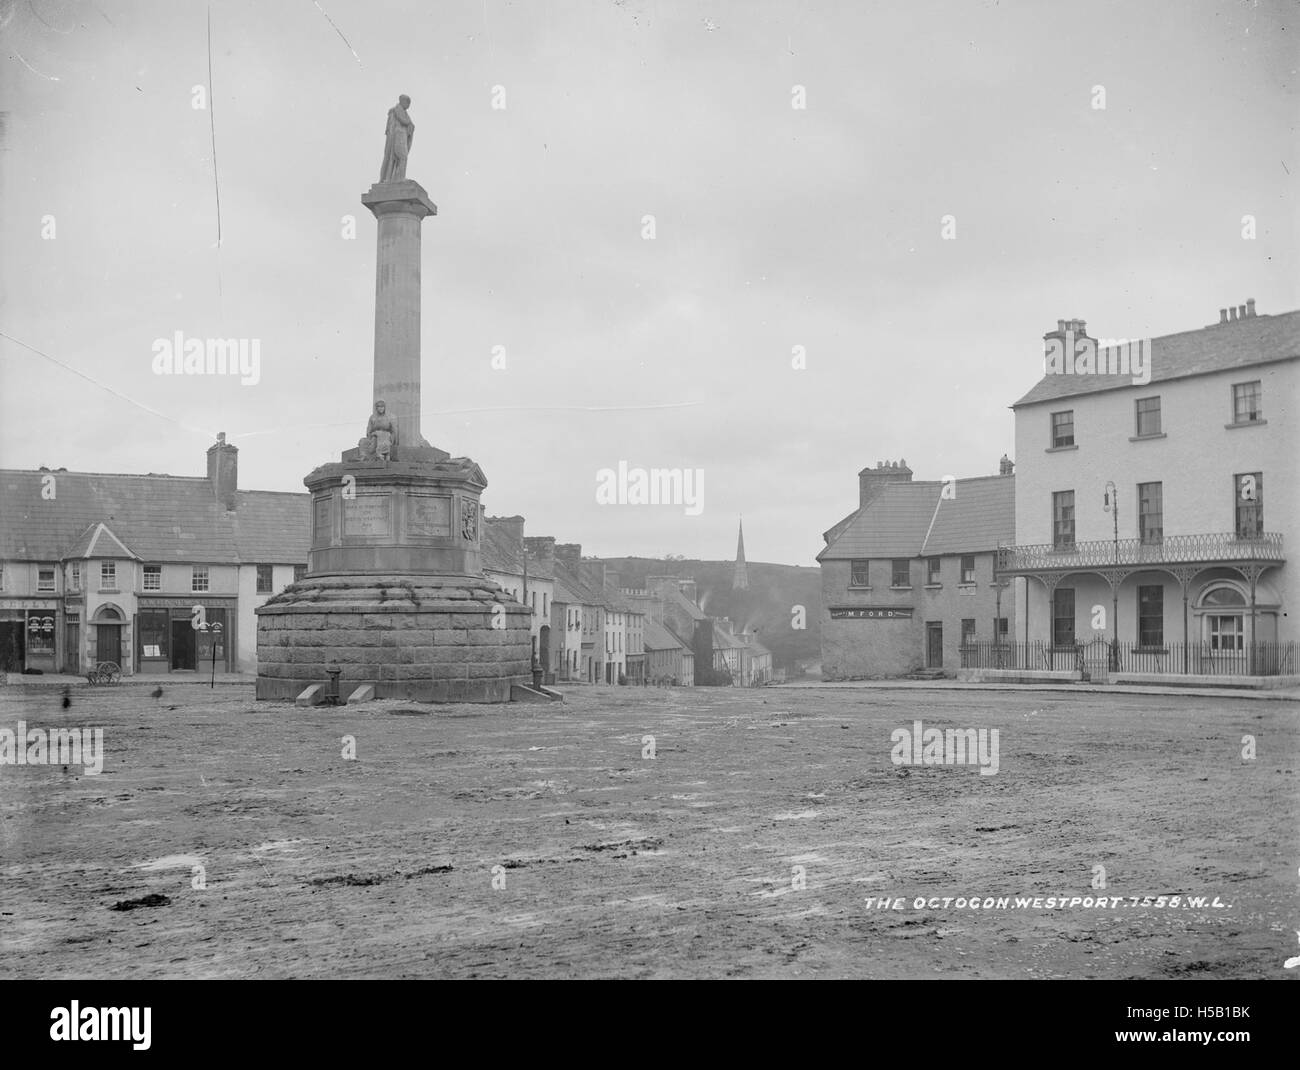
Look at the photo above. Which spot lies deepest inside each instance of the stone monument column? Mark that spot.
(400, 207)
(395, 603)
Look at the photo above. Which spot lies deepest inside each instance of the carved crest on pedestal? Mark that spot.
(469, 520)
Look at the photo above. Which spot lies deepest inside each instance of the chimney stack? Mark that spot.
(541, 552)
(871, 481)
(513, 526)
(569, 554)
(661, 585)
(1006, 466)
(223, 471)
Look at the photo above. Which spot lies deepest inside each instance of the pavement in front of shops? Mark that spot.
(149, 680)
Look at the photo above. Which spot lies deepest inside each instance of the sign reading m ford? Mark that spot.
(871, 612)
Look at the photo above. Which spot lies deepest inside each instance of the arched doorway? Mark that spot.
(107, 623)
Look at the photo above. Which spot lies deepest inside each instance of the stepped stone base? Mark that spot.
(429, 638)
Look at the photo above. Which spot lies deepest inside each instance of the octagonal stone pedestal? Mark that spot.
(427, 638)
(394, 592)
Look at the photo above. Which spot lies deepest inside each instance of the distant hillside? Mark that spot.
(766, 606)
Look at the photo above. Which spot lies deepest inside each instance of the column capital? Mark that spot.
(406, 196)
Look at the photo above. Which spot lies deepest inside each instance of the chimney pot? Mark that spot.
(1250, 306)
(1232, 313)
(1223, 315)
(1241, 312)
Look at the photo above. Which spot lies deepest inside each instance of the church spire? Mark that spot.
(740, 578)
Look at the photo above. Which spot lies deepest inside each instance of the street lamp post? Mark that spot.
(213, 628)
(1111, 505)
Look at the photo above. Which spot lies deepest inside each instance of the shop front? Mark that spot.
(28, 636)
(185, 635)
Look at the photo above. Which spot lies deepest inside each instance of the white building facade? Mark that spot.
(1152, 518)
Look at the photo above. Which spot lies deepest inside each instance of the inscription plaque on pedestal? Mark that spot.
(428, 514)
(368, 514)
(320, 526)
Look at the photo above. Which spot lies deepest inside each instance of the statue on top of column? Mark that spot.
(398, 135)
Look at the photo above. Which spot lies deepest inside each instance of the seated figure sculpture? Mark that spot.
(381, 435)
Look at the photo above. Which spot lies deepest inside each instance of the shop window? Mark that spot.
(154, 633)
(40, 633)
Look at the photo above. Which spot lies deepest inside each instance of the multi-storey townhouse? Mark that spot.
(152, 573)
(1153, 499)
(566, 630)
(527, 576)
(908, 577)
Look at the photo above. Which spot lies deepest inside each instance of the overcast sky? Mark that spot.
(775, 227)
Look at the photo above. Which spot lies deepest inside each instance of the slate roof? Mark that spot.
(657, 637)
(99, 541)
(726, 639)
(565, 594)
(581, 593)
(675, 597)
(1227, 346)
(915, 520)
(616, 601)
(685, 645)
(500, 551)
(158, 518)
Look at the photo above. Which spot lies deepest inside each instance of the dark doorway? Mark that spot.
(12, 645)
(544, 651)
(182, 644)
(72, 647)
(933, 644)
(108, 643)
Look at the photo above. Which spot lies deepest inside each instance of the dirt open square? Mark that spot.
(540, 841)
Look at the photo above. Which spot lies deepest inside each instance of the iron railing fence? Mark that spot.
(1259, 658)
(1169, 550)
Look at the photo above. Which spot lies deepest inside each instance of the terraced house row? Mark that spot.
(162, 574)
(1141, 533)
